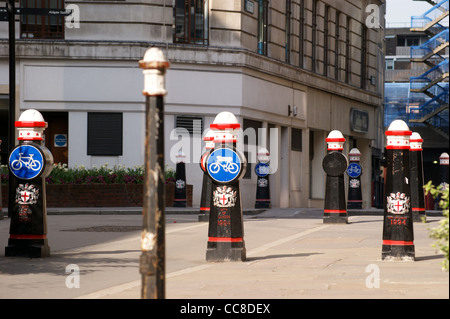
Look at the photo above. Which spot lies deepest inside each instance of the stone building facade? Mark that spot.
(290, 70)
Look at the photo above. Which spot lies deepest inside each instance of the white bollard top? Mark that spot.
(180, 156)
(398, 135)
(354, 155)
(223, 126)
(263, 155)
(154, 65)
(415, 142)
(31, 126)
(335, 141)
(444, 159)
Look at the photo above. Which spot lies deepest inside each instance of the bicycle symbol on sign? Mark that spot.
(29, 163)
(226, 163)
(354, 169)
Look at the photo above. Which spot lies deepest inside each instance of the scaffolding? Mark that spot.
(428, 96)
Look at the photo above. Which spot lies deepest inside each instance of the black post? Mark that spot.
(205, 200)
(152, 260)
(12, 95)
(354, 172)
(30, 162)
(443, 174)
(262, 170)
(225, 165)
(335, 164)
(443, 169)
(180, 181)
(398, 235)
(416, 178)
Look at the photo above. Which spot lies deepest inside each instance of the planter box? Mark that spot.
(99, 195)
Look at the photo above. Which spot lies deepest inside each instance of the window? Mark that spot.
(389, 64)
(288, 32)
(301, 33)
(326, 40)
(363, 56)
(191, 21)
(336, 45)
(347, 51)
(194, 125)
(296, 139)
(263, 17)
(42, 26)
(105, 132)
(407, 41)
(314, 36)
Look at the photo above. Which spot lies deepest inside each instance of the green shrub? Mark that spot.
(440, 233)
(118, 174)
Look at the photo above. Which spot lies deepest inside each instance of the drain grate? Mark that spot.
(107, 228)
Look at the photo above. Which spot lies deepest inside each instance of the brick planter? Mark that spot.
(99, 195)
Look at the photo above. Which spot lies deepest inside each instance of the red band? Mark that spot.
(30, 124)
(27, 236)
(335, 211)
(336, 139)
(399, 147)
(225, 239)
(397, 243)
(223, 126)
(228, 140)
(30, 139)
(398, 133)
(418, 209)
(205, 209)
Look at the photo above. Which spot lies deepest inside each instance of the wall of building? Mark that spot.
(96, 69)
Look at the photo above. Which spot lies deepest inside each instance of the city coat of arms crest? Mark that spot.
(397, 203)
(224, 196)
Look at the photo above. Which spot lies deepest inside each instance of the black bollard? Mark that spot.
(180, 181)
(443, 173)
(416, 178)
(354, 172)
(262, 170)
(29, 162)
(443, 169)
(1, 198)
(225, 165)
(205, 199)
(335, 164)
(398, 234)
(152, 260)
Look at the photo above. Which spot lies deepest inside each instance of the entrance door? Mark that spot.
(56, 135)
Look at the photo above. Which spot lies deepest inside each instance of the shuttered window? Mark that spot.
(194, 125)
(105, 131)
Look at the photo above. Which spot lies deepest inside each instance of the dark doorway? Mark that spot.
(57, 135)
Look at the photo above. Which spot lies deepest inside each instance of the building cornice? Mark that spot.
(186, 54)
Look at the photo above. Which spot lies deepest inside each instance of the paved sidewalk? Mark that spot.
(291, 255)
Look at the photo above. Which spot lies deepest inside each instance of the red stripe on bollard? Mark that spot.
(397, 243)
(225, 239)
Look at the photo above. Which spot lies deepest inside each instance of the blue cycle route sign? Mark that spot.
(224, 165)
(26, 162)
(262, 169)
(354, 170)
